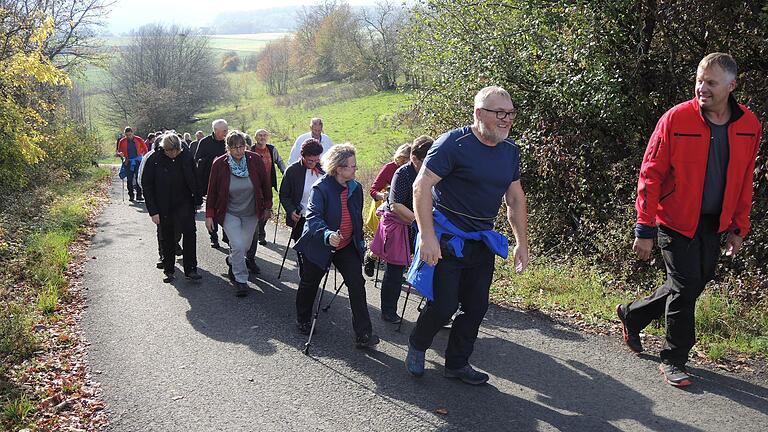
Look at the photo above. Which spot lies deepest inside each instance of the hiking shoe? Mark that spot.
(367, 341)
(131, 199)
(631, 339)
(159, 264)
(169, 277)
(414, 361)
(179, 251)
(675, 375)
(140, 198)
(263, 242)
(304, 327)
(252, 267)
(370, 266)
(391, 317)
(230, 273)
(193, 275)
(242, 289)
(215, 244)
(467, 374)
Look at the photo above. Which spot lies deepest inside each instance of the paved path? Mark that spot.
(193, 357)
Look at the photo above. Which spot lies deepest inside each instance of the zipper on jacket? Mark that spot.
(668, 194)
(744, 134)
(687, 134)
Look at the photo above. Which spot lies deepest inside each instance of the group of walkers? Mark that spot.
(439, 201)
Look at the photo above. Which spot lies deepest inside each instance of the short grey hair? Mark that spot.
(261, 131)
(724, 60)
(483, 94)
(170, 141)
(218, 123)
(315, 120)
(198, 133)
(336, 156)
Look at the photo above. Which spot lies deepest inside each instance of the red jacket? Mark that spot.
(141, 146)
(218, 186)
(671, 184)
(383, 179)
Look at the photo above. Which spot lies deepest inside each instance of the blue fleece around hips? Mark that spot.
(421, 275)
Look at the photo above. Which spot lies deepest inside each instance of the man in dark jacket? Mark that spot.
(695, 186)
(171, 194)
(208, 149)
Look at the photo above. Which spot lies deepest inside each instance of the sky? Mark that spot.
(131, 14)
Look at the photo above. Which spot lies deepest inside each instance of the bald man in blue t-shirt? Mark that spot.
(465, 175)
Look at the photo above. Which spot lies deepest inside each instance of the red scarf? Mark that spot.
(315, 170)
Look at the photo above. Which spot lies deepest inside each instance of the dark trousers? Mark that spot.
(348, 263)
(160, 241)
(180, 221)
(464, 280)
(262, 231)
(690, 265)
(132, 181)
(391, 285)
(251, 253)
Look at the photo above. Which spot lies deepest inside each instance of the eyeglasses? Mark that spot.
(501, 114)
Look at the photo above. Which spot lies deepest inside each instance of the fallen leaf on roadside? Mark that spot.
(441, 411)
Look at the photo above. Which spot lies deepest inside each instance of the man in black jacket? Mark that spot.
(171, 195)
(208, 149)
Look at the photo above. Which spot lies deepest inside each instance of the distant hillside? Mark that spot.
(276, 20)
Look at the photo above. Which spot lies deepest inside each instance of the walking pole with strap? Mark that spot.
(319, 302)
(402, 314)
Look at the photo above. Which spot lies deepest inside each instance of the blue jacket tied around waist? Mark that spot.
(420, 274)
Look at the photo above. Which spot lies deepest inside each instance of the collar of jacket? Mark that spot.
(736, 111)
(351, 185)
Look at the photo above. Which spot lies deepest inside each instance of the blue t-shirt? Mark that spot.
(132, 153)
(474, 177)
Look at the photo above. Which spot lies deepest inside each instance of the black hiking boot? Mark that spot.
(467, 374)
(367, 341)
(370, 265)
(631, 338)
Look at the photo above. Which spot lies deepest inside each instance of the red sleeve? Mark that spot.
(383, 179)
(740, 223)
(213, 184)
(653, 171)
(142, 150)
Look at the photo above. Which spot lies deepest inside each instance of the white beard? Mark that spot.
(491, 134)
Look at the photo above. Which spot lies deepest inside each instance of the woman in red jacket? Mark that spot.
(239, 194)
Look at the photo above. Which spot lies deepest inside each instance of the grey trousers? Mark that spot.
(240, 232)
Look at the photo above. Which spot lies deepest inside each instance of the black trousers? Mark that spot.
(349, 264)
(690, 263)
(251, 252)
(180, 221)
(160, 241)
(464, 280)
(131, 178)
(391, 285)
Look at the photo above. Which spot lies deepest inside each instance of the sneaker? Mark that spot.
(675, 375)
(215, 244)
(159, 264)
(367, 341)
(252, 267)
(169, 277)
(131, 199)
(194, 275)
(467, 374)
(263, 242)
(631, 339)
(370, 266)
(242, 289)
(179, 251)
(140, 198)
(304, 327)
(414, 361)
(391, 317)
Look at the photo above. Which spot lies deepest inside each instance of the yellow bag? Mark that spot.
(372, 219)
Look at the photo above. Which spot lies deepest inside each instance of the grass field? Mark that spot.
(242, 43)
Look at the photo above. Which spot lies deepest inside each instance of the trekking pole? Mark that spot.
(287, 246)
(328, 306)
(319, 302)
(402, 314)
(376, 278)
(277, 220)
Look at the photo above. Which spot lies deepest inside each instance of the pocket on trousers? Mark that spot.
(663, 239)
(445, 249)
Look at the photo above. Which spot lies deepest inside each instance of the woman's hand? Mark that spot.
(334, 239)
(267, 214)
(209, 224)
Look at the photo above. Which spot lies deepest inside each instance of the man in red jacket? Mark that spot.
(131, 148)
(695, 185)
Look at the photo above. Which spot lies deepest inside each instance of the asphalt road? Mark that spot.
(192, 357)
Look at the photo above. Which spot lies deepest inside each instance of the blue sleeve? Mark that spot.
(515, 163)
(441, 156)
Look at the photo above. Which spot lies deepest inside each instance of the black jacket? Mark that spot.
(292, 189)
(207, 150)
(159, 191)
